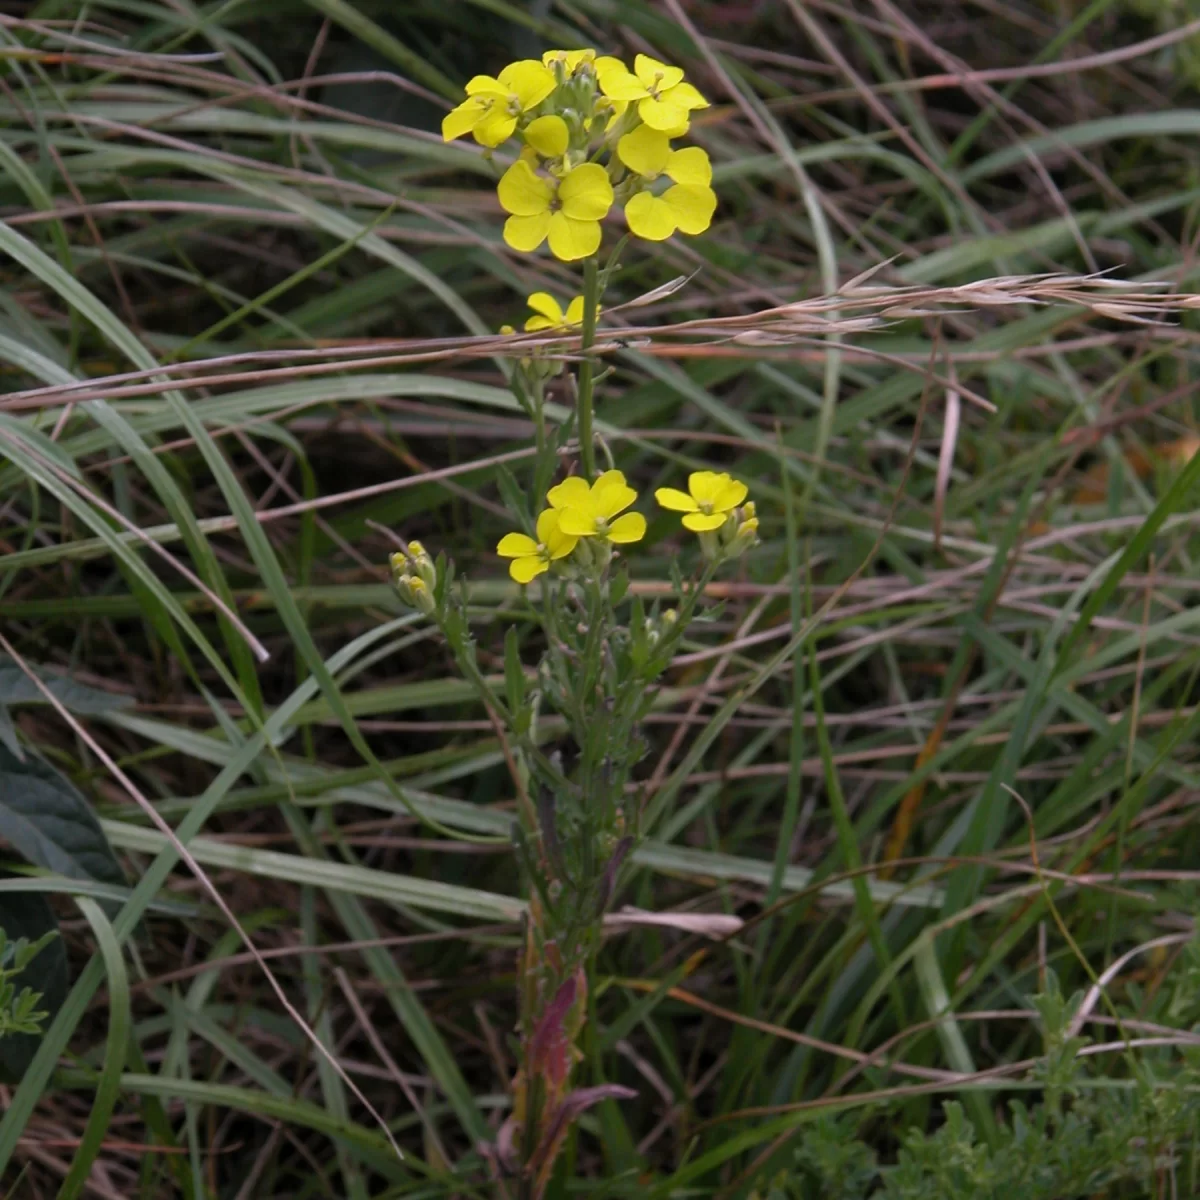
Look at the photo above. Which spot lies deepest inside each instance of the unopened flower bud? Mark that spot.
(660, 626)
(415, 594)
(411, 587)
(745, 532)
(422, 565)
(735, 537)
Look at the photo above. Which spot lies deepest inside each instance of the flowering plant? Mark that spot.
(591, 134)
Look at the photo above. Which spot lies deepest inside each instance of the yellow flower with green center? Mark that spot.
(664, 101)
(493, 105)
(567, 211)
(591, 512)
(707, 503)
(688, 206)
(548, 313)
(529, 557)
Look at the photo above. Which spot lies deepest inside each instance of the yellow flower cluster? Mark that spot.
(714, 506)
(593, 134)
(577, 513)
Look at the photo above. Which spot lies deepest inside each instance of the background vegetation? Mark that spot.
(921, 914)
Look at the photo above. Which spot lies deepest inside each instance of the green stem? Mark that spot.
(591, 306)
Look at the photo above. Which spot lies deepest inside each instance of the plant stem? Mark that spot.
(591, 306)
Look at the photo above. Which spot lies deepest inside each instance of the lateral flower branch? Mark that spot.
(590, 135)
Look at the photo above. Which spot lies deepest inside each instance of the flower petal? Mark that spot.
(547, 525)
(703, 522)
(547, 306)
(575, 311)
(523, 570)
(516, 545)
(655, 74)
(495, 127)
(606, 64)
(571, 239)
(646, 151)
(706, 485)
(692, 207)
(577, 522)
(527, 233)
(529, 80)
(629, 528)
(549, 136)
(662, 114)
(536, 323)
(675, 500)
(523, 193)
(461, 120)
(730, 496)
(689, 165)
(561, 544)
(649, 217)
(573, 491)
(586, 193)
(620, 84)
(611, 496)
(685, 96)
(485, 85)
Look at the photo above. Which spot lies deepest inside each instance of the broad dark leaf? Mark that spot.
(17, 688)
(49, 823)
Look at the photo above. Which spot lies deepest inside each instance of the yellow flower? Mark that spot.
(589, 512)
(569, 60)
(664, 101)
(688, 206)
(530, 558)
(492, 106)
(549, 313)
(707, 503)
(567, 211)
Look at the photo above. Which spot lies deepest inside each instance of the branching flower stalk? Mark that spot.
(590, 134)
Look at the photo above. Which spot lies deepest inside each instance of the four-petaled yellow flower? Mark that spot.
(664, 101)
(591, 512)
(530, 558)
(549, 313)
(707, 503)
(492, 106)
(568, 212)
(688, 206)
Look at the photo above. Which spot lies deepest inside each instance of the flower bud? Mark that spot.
(660, 626)
(735, 537)
(745, 530)
(415, 594)
(422, 565)
(408, 576)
